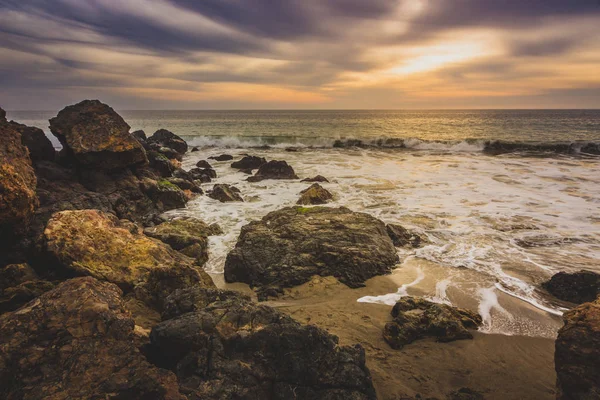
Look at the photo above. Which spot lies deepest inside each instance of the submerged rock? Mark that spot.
(95, 136)
(225, 193)
(579, 287)
(40, 147)
(402, 237)
(274, 170)
(577, 356)
(77, 341)
(249, 162)
(222, 157)
(168, 139)
(195, 149)
(315, 194)
(287, 247)
(223, 346)
(318, 178)
(416, 318)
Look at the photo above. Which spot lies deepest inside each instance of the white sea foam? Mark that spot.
(392, 298)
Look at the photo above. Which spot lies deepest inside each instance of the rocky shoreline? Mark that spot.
(103, 297)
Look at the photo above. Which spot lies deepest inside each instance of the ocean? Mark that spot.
(503, 199)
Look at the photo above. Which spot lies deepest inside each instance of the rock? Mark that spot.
(2, 115)
(249, 162)
(291, 149)
(577, 355)
(225, 193)
(289, 246)
(168, 139)
(465, 394)
(222, 157)
(185, 185)
(160, 164)
(316, 194)
(195, 149)
(140, 135)
(18, 183)
(223, 346)
(402, 237)
(246, 171)
(15, 274)
(203, 175)
(95, 136)
(274, 170)
(187, 235)
(579, 287)
(92, 243)
(167, 195)
(416, 318)
(75, 342)
(39, 146)
(204, 164)
(318, 178)
(19, 284)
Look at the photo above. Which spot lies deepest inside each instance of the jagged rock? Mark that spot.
(274, 170)
(416, 318)
(222, 157)
(249, 162)
(204, 175)
(160, 164)
(19, 284)
(39, 146)
(223, 346)
(140, 135)
(187, 235)
(318, 178)
(89, 242)
(315, 194)
(195, 149)
(225, 193)
(168, 139)
(74, 342)
(287, 247)
(186, 185)
(402, 237)
(166, 195)
(579, 287)
(204, 164)
(18, 183)
(577, 355)
(95, 136)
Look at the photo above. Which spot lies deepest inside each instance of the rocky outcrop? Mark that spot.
(222, 157)
(315, 194)
(577, 356)
(19, 284)
(187, 235)
(204, 175)
(416, 318)
(95, 136)
(225, 193)
(166, 195)
(161, 164)
(249, 162)
(204, 164)
(402, 237)
(274, 170)
(39, 146)
(318, 178)
(223, 346)
(74, 342)
(579, 287)
(165, 138)
(289, 246)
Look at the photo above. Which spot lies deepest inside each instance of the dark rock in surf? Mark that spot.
(168, 139)
(249, 162)
(318, 178)
(140, 136)
(315, 195)
(204, 164)
(247, 171)
(274, 170)
(578, 287)
(195, 149)
(289, 246)
(204, 175)
(95, 136)
(225, 193)
(402, 237)
(415, 318)
(166, 195)
(184, 185)
(222, 346)
(222, 157)
(577, 354)
(39, 146)
(160, 164)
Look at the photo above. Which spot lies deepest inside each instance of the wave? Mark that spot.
(490, 147)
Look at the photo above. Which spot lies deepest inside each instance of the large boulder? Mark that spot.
(223, 346)
(416, 318)
(249, 162)
(168, 139)
(274, 170)
(314, 195)
(77, 342)
(166, 195)
(95, 136)
(225, 193)
(579, 287)
(577, 355)
(39, 146)
(287, 247)
(402, 237)
(187, 235)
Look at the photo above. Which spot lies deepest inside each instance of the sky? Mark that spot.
(300, 54)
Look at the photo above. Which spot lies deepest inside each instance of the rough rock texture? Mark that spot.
(318, 178)
(18, 183)
(225, 193)
(315, 194)
(166, 195)
(19, 284)
(168, 139)
(579, 287)
(402, 237)
(204, 175)
(274, 170)
(187, 235)
(96, 136)
(287, 247)
(223, 346)
(204, 164)
(39, 146)
(89, 242)
(77, 342)
(415, 318)
(184, 185)
(222, 157)
(140, 135)
(160, 164)
(577, 356)
(249, 162)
